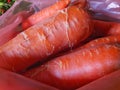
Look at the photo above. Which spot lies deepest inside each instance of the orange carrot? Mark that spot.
(101, 28)
(104, 40)
(108, 82)
(114, 30)
(13, 81)
(65, 30)
(45, 13)
(78, 68)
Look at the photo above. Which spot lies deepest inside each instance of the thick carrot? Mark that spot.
(65, 30)
(103, 40)
(78, 68)
(13, 81)
(45, 13)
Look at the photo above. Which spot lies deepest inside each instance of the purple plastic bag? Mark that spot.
(105, 9)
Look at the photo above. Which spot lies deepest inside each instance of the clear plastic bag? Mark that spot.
(21, 9)
(99, 9)
(10, 21)
(105, 9)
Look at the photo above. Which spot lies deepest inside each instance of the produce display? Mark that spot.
(58, 44)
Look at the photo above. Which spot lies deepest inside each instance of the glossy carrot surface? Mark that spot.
(78, 68)
(103, 40)
(65, 30)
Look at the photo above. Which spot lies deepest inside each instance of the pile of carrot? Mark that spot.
(61, 47)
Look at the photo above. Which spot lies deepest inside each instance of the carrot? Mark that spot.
(13, 81)
(114, 30)
(101, 28)
(45, 13)
(108, 82)
(103, 40)
(78, 68)
(65, 30)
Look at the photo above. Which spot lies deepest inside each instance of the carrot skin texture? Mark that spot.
(13, 81)
(78, 68)
(103, 40)
(45, 13)
(65, 30)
